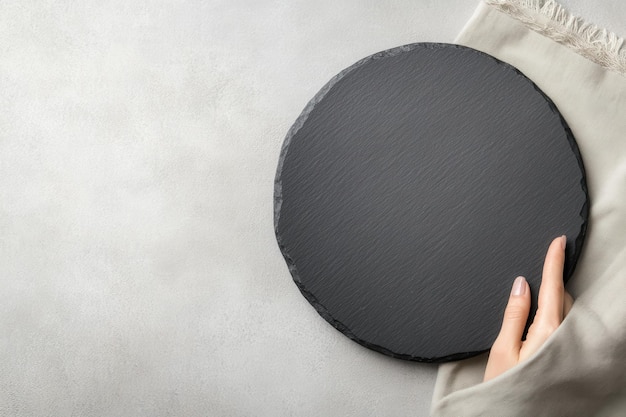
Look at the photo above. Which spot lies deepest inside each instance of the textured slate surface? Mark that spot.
(415, 187)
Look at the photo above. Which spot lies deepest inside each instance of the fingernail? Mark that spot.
(519, 286)
(563, 242)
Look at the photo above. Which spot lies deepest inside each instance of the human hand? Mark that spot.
(553, 305)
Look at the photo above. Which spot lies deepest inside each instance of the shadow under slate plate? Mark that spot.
(415, 187)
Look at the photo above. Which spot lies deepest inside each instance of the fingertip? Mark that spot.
(558, 243)
(555, 257)
(520, 286)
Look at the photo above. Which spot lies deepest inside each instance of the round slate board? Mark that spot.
(415, 187)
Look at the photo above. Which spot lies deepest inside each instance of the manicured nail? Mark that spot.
(563, 242)
(519, 286)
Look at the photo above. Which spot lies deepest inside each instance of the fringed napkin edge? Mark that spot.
(599, 45)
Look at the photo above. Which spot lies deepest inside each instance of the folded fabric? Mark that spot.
(581, 370)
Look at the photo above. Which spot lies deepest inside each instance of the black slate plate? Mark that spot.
(413, 189)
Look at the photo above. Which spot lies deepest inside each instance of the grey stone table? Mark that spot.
(138, 267)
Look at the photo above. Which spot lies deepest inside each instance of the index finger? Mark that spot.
(550, 302)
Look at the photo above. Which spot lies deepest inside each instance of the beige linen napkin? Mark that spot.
(581, 370)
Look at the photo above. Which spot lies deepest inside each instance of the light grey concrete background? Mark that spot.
(139, 275)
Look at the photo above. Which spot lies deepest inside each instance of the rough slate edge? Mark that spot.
(278, 198)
